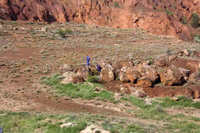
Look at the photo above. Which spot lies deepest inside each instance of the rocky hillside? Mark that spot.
(162, 17)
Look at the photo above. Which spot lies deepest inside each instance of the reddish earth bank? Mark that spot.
(158, 17)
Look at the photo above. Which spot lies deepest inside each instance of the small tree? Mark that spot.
(195, 20)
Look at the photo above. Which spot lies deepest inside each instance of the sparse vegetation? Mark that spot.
(93, 79)
(169, 13)
(184, 20)
(116, 4)
(64, 32)
(182, 102)
(197, 38)
(85, 91)
(195, 20)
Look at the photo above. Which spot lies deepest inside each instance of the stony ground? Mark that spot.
(30, 51)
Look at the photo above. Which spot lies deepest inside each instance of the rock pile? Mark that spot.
(169, 70)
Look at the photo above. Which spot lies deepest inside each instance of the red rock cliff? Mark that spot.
(163, 17)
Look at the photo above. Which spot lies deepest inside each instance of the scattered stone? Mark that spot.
(174, 98)
(148, 101)
(117, 96)
(172, 57)
(44, 29)
(42, 51)
(187, 52)
(94, 129)
(69, 124)
(138, 92)
(180, 53)
(15, 28)
(185, 73)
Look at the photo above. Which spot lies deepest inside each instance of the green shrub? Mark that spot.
(169, 13)
(64, 32)
(93, 79)
(116, 4)
(197, 38)
(195, 20)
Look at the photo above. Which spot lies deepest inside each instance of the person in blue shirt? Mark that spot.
(98, 67)
(88, 61)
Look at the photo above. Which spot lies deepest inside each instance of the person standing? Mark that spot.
(88, 61)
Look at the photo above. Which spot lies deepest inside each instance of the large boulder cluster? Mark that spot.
(168, 69)
(165, 70)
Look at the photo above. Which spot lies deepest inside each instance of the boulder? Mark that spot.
(128, 74)
(148, 72)
(146, 82)
(119, 65)
(107, 73)
(161, 62)
(68, 77)
(124, 63)
(132, 74)
(65, 68)
(196, 93)
(172, 76)
(83, 72)
(194, 76)
(122, 75)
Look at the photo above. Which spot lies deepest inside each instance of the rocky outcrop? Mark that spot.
(163, 18)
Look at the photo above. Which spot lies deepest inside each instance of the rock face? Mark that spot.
(169, 16)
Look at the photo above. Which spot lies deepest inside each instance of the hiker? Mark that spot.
(98, 67)
(88, 61)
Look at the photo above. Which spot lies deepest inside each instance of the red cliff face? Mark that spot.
(163, 17)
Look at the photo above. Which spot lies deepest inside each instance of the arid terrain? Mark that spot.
(149, 57)
(30, 102)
